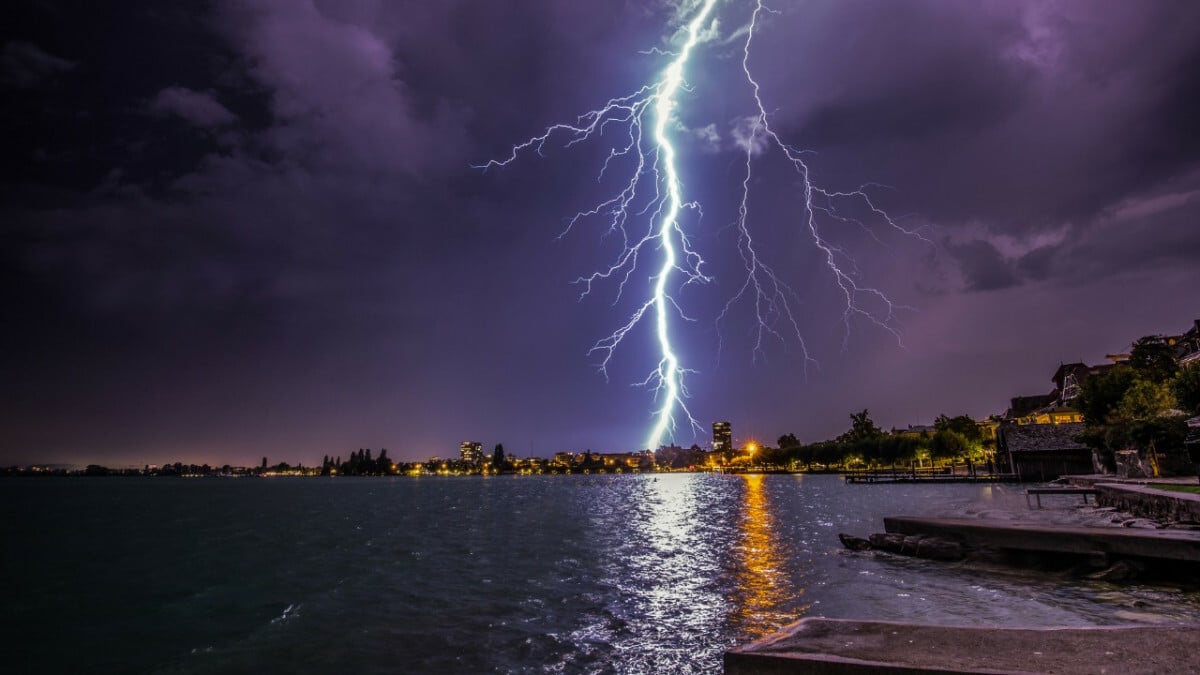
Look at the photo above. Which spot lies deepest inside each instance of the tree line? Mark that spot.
(866, 445)
(360, 464)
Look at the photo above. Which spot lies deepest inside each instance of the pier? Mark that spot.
(1039, 491)
(1097, 542)
(840, 646)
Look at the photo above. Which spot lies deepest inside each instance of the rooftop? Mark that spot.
(1034, 437)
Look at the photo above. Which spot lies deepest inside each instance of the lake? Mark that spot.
(525, 574)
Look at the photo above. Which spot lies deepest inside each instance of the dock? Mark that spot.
(840, 646)
(1161, 545)
(1039, 491)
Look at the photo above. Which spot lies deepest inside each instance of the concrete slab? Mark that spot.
(1172, 545)
(838, 646)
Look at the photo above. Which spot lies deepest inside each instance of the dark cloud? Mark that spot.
(1152, 233)
(983, 267)
(200, 108)
(25, 65)
(292, 255)
(1020, 115)
(337, 97)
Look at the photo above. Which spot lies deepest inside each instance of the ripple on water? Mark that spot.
(591, 574)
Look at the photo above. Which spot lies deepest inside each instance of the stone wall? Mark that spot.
(1150, 503)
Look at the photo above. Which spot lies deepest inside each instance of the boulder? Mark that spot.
(934, 548)
(917, 545)
(912, 544)
(887, 542)
(854, 543)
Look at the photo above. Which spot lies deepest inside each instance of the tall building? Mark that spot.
(722, 436)
(471, 452)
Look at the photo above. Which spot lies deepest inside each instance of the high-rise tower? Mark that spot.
(471, 452)
(722, 436)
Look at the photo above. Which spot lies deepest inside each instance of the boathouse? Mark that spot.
(1041, 452)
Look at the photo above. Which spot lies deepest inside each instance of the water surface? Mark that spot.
(612, 573)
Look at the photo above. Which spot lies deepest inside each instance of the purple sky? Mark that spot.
(251, 228)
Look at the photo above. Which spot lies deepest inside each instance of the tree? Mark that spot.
(861, 427)
(1145, 399)
(498, 456)
(1187, 389)
(788, 441)
(894, 449)
(772, 456)
(962, 424)
(1101, 394)
(947, 444)
(1153, 359)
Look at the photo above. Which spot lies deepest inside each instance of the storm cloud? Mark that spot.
(253, 227)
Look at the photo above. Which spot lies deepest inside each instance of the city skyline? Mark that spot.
(234, 231)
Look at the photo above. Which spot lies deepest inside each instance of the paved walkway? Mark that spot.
(844, 646)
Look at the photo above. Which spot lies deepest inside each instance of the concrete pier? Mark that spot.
(1148, 502)
(1164, 545)
(837, 646)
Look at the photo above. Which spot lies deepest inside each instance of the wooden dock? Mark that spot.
(1039, 491)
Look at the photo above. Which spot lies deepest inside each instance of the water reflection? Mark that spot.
(683, 555)
(763, 587)
(662, 541)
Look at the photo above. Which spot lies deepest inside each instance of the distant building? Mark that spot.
(722, 436)
(1022, 406)
(1187, 349)
(471, 452)
(916, 431)
(987, 430)
(625, 460)
(1069, 378)
(1192, 441)
(1057, 407)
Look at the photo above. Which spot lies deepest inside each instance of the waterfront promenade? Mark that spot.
(1131, 545)
(840, 646)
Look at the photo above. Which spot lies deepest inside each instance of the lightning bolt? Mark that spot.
(770, 294)
(647, 213)
(669, 375)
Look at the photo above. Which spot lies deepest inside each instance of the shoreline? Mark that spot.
(835, 646)
(1123, 545)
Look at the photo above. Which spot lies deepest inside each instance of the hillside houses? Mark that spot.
(1038, 435)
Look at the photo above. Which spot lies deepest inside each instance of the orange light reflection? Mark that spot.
(764, 587)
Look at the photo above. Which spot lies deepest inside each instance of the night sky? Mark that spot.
(243, 228)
